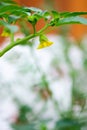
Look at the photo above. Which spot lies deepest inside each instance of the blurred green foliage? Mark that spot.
(72, 119)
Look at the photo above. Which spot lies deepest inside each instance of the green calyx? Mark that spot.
(43, 38)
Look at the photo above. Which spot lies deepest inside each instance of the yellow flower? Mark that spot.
(5, 34)
(44, 44)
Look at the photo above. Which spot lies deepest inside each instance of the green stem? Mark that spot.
(12, 37)
(44, 28)
(34, 29)
(13, 44)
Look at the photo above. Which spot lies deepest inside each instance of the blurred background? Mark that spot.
(46, 89)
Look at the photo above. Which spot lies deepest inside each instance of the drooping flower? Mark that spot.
(5, 33)
(44, 42)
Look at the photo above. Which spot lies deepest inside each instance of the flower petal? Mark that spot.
(44, 44)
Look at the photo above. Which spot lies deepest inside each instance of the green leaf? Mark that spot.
(37, 16)
(5, 2)
(12, 28)
(13, 18)
(9, 8)
(43, 126)
(45, 14)
(55, 14)
(67, 124)
(32, 9)
(12, 9)
(10, 18)
(2, 23)
(32, 19)
(23, 111)
(71, 14)
(24, 127)
(71, 20)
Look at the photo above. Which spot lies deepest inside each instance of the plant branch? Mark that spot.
(21, 41)
(13, 44)
(12, 37)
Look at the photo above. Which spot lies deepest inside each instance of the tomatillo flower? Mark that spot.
(5, 33)
(44, 42)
